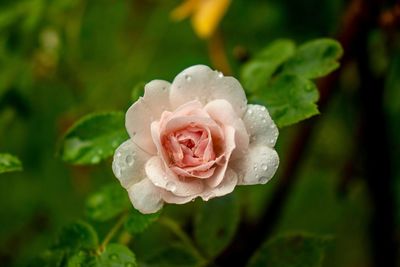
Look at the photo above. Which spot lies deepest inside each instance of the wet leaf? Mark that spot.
(94, 138)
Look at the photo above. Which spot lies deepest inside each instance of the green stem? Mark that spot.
(177, 230)
(113, 231)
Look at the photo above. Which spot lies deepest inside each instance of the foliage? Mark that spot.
(93, 138)
(279, 77)
(9, 163)
(296, 250)
(63, 63)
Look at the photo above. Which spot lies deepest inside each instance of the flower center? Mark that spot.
(189, 147)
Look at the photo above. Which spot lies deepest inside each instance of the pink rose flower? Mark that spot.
(196, 137)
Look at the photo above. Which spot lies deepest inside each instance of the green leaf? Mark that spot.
(256, 73)
(107, 203)
(212, 233)
(114, 255)
(93, 138)
(175, 255)
(290, 99)
(295, 250)
(315, 59)
(9, 163)
(138, 222)
(76, 236)
(49, 258)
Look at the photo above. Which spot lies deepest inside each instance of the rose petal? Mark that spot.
(260, 126)
(202, 83)
(225, 187)
(258, 167)
(148, 108)
(221, 111)
(145, 197)
(128, 163)
(178, 123)
(163, 177)
(219, 173)
(174, 199)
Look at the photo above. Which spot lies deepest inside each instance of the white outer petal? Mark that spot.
(258, 167)
(145, 197)
(128, 163)
(202, 83)
(225, 187)
(147, 109)
(260, 126)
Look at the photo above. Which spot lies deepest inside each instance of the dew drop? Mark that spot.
(129, 160)
(263, 180)
(114, 143)
(95, 159)
(272, 141)
(264, 167)
(250, 111)
(113, 257)
(170, 186)
(188, 78)
(264, 121)
(220, 74)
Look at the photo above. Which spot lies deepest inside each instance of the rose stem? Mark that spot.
(113, 231)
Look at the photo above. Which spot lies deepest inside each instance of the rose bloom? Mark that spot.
(196, 137)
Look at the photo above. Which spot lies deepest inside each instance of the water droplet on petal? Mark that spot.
(170, 186)
(220, 74)
(263, 180)
(129, 160)
(250, 111)
(264, 167)
(188, 78)
(264, 121)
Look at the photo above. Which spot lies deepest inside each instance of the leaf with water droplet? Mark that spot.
(138, 222)
(300, 250)
(114, 255)
(211, 233)
(314, 59)
(93, 138)
(289, 99)
(107, 203)
(75, 236)
(9, 163)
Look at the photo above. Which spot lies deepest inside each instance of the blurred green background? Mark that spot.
(62, 59)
